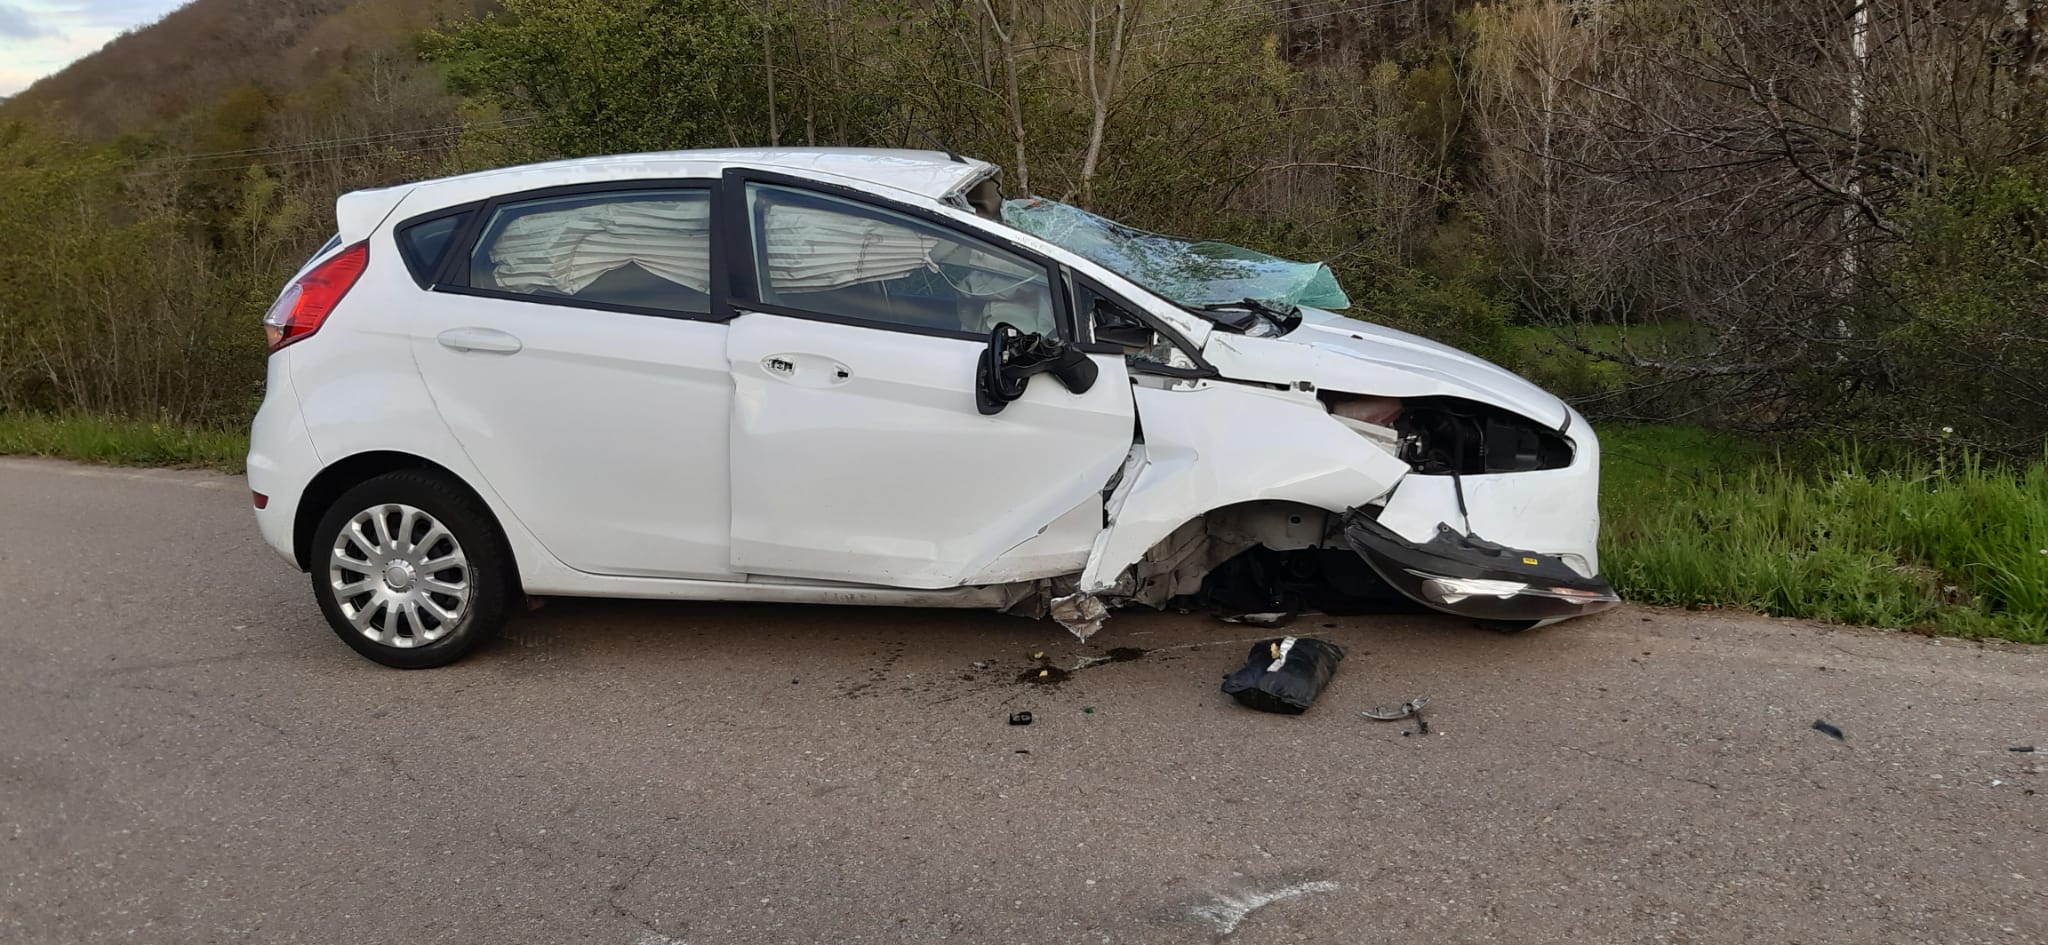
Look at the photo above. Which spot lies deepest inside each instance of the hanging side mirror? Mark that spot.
(1013, 357)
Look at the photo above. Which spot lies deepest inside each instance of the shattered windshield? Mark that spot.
(1193, 273)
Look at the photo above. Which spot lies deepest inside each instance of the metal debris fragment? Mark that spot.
(1395, 713)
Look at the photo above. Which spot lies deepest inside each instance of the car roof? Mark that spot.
(932, 174)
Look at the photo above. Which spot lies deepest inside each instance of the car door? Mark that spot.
(858, 452)
(572, 352)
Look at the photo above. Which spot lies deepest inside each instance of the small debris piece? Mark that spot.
(1038, 655)
(1045, 676)
(1020, 718)
(1828, 730)
(1257, 620)
(2021, 748)
(1087, 710)
(1395, 713)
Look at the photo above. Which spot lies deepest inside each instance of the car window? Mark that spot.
(824, 254)
(646, 249)
(425, 244)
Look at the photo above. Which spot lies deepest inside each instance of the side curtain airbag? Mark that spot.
(567, 250)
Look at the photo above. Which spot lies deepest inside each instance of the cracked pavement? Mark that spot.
(188, 755)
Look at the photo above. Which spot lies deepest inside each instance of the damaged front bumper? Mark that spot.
(1472, 577)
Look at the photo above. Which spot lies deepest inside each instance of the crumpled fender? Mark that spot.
(1216, 445)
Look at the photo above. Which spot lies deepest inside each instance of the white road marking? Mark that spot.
(656, 938)
(1230, 910)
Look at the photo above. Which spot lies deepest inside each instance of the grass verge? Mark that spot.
(122, 442)
(1690, 518)
(1943, 545)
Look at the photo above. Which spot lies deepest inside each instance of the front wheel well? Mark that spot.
(348, 473)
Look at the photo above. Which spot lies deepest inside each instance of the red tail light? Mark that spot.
(307, 302)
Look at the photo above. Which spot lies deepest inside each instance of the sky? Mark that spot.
(38, 37)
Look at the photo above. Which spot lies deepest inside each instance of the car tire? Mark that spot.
(411, 570)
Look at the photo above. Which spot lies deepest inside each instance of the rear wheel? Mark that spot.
(411, 571)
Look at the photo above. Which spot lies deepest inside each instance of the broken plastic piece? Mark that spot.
(1284, 675)
(1828, 730)
(1191, 272)
(1081, 613)
(1463, 574)
(1020, 718)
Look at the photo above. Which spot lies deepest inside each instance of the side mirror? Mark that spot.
(1013, 357)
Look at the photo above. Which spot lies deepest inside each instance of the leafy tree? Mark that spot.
(612, 76)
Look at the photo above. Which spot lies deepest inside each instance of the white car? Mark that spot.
(836, 376)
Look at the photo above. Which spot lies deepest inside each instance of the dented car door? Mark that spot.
(858, 452)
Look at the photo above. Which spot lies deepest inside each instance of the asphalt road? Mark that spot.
(188, 755)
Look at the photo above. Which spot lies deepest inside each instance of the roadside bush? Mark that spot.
(1965, 343)
(114, 303)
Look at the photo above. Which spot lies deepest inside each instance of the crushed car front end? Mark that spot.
(1497, 517)
(1292, 458)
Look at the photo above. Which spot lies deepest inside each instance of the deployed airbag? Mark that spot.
(567, 250)
(1190, 272)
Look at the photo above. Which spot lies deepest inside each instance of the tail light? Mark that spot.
(310, 298)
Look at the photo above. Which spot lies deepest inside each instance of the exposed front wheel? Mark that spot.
(411, 571)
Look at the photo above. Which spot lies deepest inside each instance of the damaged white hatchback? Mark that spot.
(858, 377)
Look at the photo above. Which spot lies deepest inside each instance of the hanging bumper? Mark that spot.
(1472, 577)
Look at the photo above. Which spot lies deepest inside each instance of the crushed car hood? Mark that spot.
(1334, 352)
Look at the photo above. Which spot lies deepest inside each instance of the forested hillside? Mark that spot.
(1803, 214)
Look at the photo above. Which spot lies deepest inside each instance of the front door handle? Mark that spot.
(484, 340)
(806, 370)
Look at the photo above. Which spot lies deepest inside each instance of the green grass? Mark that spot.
(1944, 545)
(122, 442)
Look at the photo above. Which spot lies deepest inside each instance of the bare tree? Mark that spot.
(1013, 100)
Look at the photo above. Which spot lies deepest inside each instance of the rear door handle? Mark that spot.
(484, 340)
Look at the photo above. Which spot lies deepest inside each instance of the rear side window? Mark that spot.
(425, 244)
(638, 250)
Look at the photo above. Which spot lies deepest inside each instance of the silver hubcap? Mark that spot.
(399, 575)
